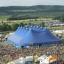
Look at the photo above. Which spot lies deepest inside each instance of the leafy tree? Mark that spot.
(62, 41)
(21, 24)
(43, 24)
(1, 27)
(61, 18)
(14, 26)
(5, 27)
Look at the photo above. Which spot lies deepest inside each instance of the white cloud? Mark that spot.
(30, 2)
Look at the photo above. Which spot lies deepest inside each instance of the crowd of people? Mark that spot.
(9, 52)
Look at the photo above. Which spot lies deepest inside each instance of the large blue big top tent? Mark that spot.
(32, 35)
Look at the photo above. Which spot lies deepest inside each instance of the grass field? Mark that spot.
(37, 21)
(57, 28)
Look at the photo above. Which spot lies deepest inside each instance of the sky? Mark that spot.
(30, 2)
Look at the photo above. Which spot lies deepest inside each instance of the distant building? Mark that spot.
(44, 59)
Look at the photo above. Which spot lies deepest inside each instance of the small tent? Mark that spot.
(18, 61)
(29, 58)
(43, 59)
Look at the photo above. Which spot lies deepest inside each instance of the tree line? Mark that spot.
(61, 18)
(13, 27)
(9, 27)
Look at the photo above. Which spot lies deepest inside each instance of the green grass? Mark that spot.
(4, 17)
(57, 28)
(27, 21)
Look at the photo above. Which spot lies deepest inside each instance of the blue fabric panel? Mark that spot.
(24, 36)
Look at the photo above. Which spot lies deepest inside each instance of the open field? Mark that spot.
(32, 21)
(57, 28)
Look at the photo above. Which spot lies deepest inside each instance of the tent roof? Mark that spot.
(39, 37)
(33, 35)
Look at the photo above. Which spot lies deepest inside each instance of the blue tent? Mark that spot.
(32, 35)
(40, 37)
(16, 37)
(21, 31)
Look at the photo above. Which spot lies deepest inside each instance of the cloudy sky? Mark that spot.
(30, 2)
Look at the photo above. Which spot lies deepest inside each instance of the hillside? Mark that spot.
(39, 10)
